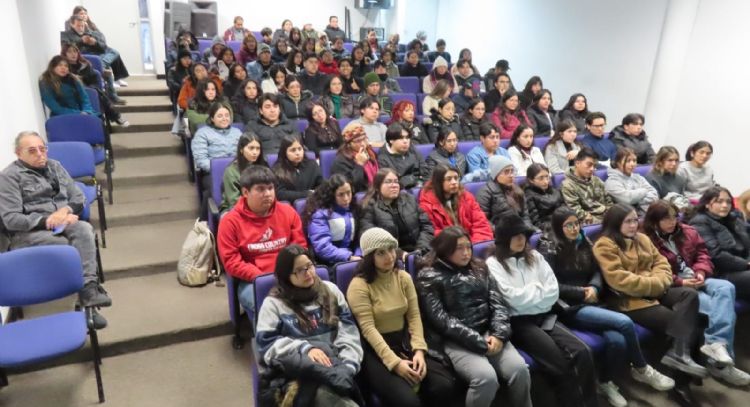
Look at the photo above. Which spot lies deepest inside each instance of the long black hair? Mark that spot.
(444, 245)
(612, 223)
(568, 253)
(324, 197)
(377, 183)
(284, 169)
(246, 138)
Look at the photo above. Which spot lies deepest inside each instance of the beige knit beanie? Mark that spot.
(376, 238)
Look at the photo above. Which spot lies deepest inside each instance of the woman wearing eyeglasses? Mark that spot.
(500, 196)
(306, 334)
(569, 252)
(640, 279)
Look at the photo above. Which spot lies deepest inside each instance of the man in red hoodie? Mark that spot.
(255, 230)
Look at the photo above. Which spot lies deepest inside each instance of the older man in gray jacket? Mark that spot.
(39, 203)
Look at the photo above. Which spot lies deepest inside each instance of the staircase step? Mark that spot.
(159, 103)
(146, 122)
(145, 144)
(200, 373)
(150, 312)
(162, 169)
(146, 85)
(149, 204)
(144, 249)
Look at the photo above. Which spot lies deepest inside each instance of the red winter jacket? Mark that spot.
(470, 215)
(508, 122)
(248, 243)
(332, 69)
(693, 251)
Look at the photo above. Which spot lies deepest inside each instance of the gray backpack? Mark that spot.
(198, 264)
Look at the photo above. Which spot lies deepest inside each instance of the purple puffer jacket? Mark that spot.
(332, 232)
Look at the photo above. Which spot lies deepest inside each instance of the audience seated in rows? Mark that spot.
(395, 366)
(500, 86)
(569, 252)
(206, 94)
(528, 285)
(271, 125)
(37, 198)
(404, 113)
(576, 110)
(596, 139)
(691, 266)
(198, 72)
(245, 102)
(467, 321)
(509, 115)
(339, 104)
(532, 88)
(83, 33)
(81, 66)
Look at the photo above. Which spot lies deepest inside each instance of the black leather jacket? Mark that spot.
(460, 306)
(726, 239)
(419, 230)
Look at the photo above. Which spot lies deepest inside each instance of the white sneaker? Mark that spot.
(122, 122)
(612, 393)
(116, 85)
(122, 83)
(653, 378)
(729, 374)
(718, 352)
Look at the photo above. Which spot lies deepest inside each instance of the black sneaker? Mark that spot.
(119, 101)
(93, 295)
(97, 320)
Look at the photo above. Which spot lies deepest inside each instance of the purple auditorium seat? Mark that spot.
(239, 126)
(235, 46)
(465, 146)
(415, 192)
(343, 273)
(424, 149)
(359, 196)
(741, 306)
(348, 46)
(534, 239)
(397, 97)
(400, 57)
(557, 180)
(594, 341)
(420, 100)
(592, 231)
(428, 65)
(301, 125)
(411, 265)
(505, 143)
(408, 84)
(642, 332)
(601, 174)
(643, 169)
(299, 205)
(481, 249)
(218, 165)
(203, 44)
(540, 142)
(326, 161)
(473, 187)
(257, 36)
(384, 118)
(529, 360)
(520, 180)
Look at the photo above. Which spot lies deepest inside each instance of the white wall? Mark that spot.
(120, 22)
(711, 99)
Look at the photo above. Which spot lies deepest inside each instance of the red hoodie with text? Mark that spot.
(248, 243)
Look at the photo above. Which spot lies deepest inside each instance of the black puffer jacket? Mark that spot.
(726, 239)
(470, 127)
(417, 131)
(574, 271)
(410, 166)
(459, 305)
(245, 111)
(644, 152)
(307, 177)
(540, 204)
(296, 109)
(542, 126)
(493, 200)
(434, 128)
(270, 136)
(440, 156)
(405, 220)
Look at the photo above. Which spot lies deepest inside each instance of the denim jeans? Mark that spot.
(716, 300)
(109, 56)
(246, 295)
(618, 330)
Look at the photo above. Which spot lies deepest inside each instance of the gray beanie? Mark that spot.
(376, 238)
(497, 163)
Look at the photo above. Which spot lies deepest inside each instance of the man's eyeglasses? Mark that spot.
(36, 150)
